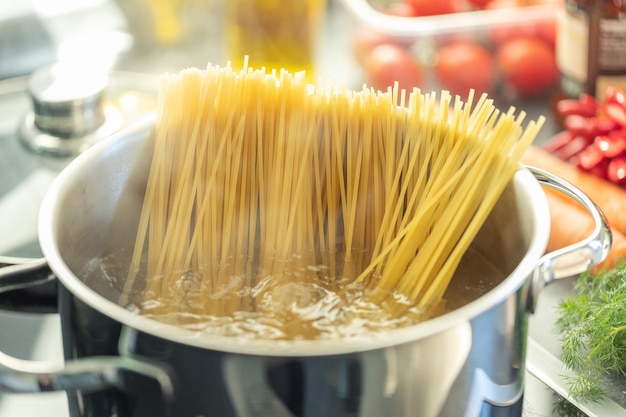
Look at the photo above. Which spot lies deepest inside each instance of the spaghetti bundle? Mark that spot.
(260, 180)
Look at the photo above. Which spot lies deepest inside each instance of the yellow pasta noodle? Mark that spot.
(260, 180)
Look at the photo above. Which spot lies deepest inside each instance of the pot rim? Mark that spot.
(50, 209)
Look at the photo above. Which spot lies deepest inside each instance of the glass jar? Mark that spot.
(591, 46)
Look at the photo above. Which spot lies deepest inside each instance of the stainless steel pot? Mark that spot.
(469, 362)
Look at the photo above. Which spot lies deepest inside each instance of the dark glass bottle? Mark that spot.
(591, 46)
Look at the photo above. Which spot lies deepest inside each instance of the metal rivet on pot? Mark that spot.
(69, 111)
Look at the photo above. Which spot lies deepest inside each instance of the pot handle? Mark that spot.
(92, 374)
(87, 374)
(23, 273)
(576, 258)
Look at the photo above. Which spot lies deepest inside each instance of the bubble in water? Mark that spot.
(301, 303)
(187, 283)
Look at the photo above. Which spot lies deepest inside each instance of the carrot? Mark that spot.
(570, 223)
(609, 197)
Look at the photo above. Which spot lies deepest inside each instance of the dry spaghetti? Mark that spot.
(260, 180)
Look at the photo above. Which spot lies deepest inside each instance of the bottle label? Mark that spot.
(612, 45)
(572, 50)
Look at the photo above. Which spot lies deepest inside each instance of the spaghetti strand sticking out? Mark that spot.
(260, 181)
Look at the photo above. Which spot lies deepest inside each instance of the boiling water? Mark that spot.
(279, 308)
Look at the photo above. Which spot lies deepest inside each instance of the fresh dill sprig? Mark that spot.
(592, 324)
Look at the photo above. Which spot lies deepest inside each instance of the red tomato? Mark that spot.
(479, 4)
(402, 9)
(528, 65)
(386, 64)
(433, 7)
(504, 4)
(464, 65)
(546, 30)
(543, 29)
(499, 34)
(364, 40)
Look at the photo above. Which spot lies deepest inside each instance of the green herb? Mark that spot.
(593, 327)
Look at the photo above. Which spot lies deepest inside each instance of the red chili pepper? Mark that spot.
(558, 141)
(600, 170)
(590, 157)
(580, 107)
(615, 95)
(594, 138)
(578, 125)
(573, 148)
(602, 125)
(610, 145)
(616, 170)
(620, 132)
(616, 112)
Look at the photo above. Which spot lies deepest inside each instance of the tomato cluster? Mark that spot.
(518, 60)
(594, 138)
